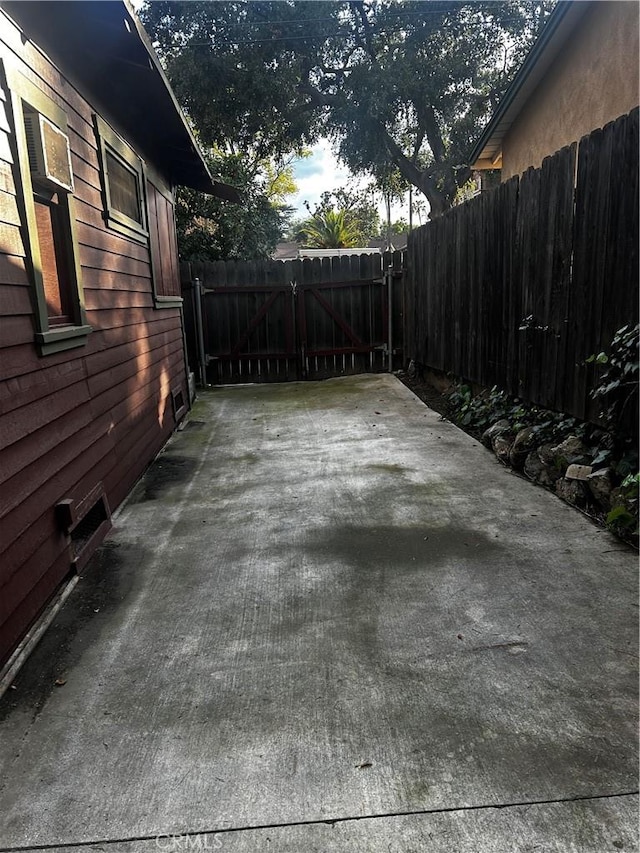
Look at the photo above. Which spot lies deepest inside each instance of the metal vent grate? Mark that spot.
(48, 149)
(31, 128)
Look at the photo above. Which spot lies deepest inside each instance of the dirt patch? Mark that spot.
(165, 471)
(427, 392)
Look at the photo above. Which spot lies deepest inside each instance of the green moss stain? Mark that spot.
(244, 459)
(387, 468)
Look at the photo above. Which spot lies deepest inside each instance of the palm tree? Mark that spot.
(331, 230)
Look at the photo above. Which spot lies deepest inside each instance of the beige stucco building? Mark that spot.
(582, 73)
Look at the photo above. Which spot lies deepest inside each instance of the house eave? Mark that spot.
(102, 48)
(562, 21)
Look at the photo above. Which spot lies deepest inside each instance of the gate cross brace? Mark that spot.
(255, 322)
(346, 328)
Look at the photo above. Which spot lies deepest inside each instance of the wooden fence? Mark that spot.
(303, 319)
(517, 287)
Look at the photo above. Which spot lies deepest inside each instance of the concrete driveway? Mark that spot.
(327, 620)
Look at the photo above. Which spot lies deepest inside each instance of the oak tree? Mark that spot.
(396, 84)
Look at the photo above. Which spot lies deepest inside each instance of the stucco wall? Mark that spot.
(593, 80)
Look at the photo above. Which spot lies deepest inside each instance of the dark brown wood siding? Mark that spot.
(162, 238)
(95, 414)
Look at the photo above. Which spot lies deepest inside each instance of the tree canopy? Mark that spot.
(399, 86)
(331, 229)
(211, 229)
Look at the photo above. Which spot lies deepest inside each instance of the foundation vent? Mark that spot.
(179, 404)
(86, 522)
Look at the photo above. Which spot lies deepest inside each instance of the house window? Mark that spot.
(45, 194)
(50, 221)
(122, 175)
(124, 189)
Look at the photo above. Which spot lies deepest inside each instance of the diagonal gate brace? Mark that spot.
(346, 328)
(255, 322)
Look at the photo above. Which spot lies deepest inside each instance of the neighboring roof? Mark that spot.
(331, 253)
(294, 251)
(550, 42)
(286, 251)
(103, 49)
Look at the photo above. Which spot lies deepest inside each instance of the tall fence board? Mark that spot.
(301, 319)
(517, 287)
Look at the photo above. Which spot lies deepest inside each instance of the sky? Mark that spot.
(322, 171)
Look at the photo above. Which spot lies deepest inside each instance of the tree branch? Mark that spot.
(420, 179)
(342, 71)
(317, 98)
(305, 87)
(432, 130)
(358, 8)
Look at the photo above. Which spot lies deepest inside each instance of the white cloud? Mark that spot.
(322, 171)
(317, 173)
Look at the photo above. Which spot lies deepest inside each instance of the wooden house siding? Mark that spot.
(94, 414)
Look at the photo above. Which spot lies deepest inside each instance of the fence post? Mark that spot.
(202, 356)
(389, 277)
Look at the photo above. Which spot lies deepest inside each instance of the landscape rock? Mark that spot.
(533, 466)
(571, 451)
(493, 431)
(601, 486)
(578, 472)
(536, 470)
(572, 491)
(502, 445)
(523, 444)
(546, 454)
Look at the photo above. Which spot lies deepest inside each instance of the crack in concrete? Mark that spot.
(512, 644)
(318, 822)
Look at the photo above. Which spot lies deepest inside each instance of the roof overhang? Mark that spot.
(103, 49)
(487, 153)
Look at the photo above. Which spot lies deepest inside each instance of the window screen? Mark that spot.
(123, 188)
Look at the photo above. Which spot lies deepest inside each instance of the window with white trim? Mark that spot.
(45, 191)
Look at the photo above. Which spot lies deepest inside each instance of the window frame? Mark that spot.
(110, 143)
(48, 338)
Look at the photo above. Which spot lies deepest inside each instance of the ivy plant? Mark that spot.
(623, 517)
(618, 386)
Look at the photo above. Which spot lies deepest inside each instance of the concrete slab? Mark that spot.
(323, 603)
(570, 827)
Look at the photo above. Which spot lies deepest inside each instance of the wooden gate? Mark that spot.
(278, 321)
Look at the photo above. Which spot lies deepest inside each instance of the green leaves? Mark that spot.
(601, 358)
(360, 215)
(399, 86)
(211, 229)
(620, 515)
(232, 68)
(618, 385)
(331, 230)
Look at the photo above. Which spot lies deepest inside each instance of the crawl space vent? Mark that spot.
(179, 405)
(86, 522)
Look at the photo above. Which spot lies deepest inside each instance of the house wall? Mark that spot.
(593, 81)
(94, 414)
